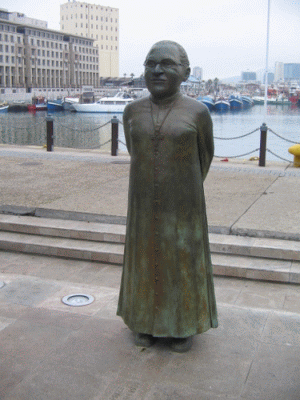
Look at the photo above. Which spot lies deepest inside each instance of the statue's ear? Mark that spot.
(187, 73)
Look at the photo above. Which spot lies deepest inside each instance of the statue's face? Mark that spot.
(164, 72)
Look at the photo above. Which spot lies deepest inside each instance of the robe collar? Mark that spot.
(165, 102)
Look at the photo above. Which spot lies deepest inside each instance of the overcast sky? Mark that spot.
(224, 37)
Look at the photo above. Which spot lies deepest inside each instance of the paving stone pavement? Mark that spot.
(52, 351)
(240, 195)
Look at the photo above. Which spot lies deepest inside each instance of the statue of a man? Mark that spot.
(167, 284)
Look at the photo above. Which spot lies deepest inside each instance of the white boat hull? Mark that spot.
(99, 108)
(114, 104)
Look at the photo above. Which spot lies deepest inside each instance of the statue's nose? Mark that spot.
(158, 68)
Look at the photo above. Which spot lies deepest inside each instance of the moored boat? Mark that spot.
(18, 106)
(277, 101)
(68, 103)
(55, 105)
(208, 101)
(235, 102)
(38, 104)
(114, 104)
(222, 105)
(3, 108)
(247, 101)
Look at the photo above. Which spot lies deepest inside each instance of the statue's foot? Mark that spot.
(181, 345)
(144, 340)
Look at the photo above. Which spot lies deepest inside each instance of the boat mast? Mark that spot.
(267, 57)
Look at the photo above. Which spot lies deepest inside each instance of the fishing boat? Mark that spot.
(55, 105)
(18, 106)
(114, 104)
(276, 101)
(247, 101)
(235, 102)
(68, 103)
(222, 105)
(208, 101)
(3, 108)
(279, 101)
(38, 104)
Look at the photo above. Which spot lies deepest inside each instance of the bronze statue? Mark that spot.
(167, 284)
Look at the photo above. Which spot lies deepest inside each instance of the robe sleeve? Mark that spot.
(205, 141)
(126, 127)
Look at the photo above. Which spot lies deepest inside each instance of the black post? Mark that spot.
(114, 136)
(263, 145)
(50, 136)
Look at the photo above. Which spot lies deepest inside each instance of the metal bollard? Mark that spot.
(50, 136)
(114, 136)
(263, 145)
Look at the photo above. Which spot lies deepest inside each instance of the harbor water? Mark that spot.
(93, 131)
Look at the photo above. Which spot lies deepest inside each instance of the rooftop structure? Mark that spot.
(22, 19)
(100, 23)
(34, 57)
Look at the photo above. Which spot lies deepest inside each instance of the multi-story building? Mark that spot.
(248, 76)
(292, 72)
(22, 19)
(198, 73)
(34, 57)
(99, 23)
(279, 71)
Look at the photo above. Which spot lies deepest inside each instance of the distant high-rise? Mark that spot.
(291, 72)
(198, 73)
(248, 76)
(97, 22)
(270, 77)
(279, 71)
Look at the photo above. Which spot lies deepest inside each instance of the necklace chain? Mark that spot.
(156, 126)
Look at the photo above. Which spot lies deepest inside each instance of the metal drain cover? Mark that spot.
(78, 300)
(1, 285)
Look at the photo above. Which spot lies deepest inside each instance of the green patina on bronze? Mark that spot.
(167, 285)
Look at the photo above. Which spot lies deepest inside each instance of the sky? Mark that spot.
(224, 37)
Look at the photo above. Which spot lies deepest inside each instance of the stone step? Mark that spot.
(69, 229)
(62, 247)
(223, 264)
(256, 268)
(255, 247)
(99, 232)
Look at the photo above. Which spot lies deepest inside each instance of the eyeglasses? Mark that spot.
(164, 64)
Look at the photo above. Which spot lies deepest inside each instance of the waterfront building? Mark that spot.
(198, 73)
(100, 23)
(36, 57)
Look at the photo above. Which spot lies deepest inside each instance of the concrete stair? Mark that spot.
(239, 256)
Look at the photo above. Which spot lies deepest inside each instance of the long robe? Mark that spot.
(167, 285)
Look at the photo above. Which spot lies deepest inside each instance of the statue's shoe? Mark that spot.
(144, 340)
(181, 345)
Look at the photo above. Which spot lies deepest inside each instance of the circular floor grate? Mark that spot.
(78, 300)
